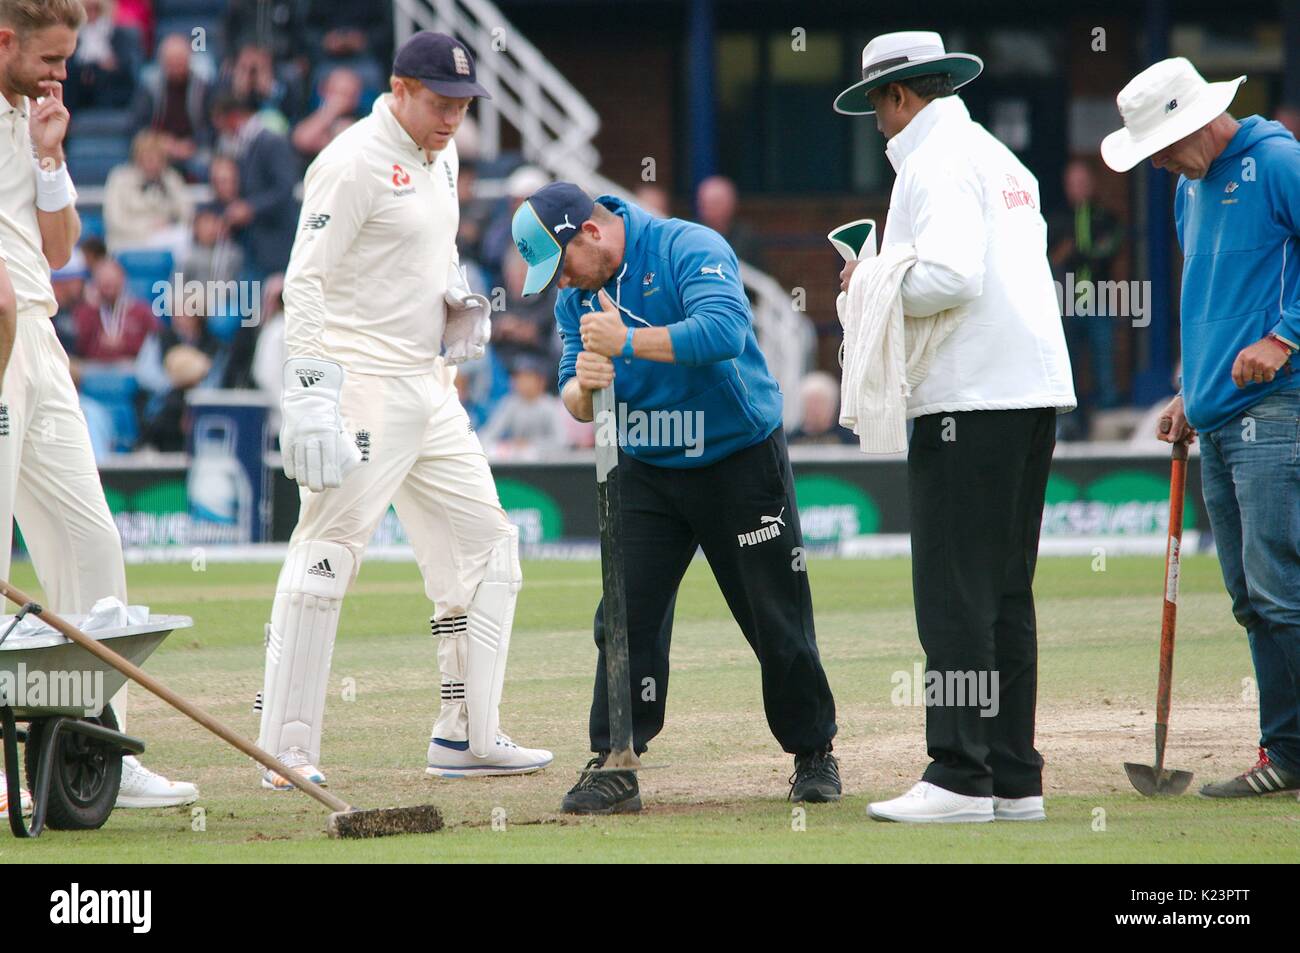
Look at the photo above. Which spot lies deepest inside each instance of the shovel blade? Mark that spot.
(1151, 783)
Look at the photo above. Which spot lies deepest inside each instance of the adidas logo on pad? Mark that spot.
(322, 568)
(309, 377)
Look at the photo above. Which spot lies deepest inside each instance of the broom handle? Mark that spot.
(136, 674)
(1169, 618)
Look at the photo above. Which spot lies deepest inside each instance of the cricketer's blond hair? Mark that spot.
(28, 16)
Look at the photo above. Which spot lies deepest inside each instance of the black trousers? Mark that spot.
(741, 512)
(977, 482)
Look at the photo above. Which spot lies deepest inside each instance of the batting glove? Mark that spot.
(469, 320)
(317, 452)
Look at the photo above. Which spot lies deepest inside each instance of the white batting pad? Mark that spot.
(299, 645)
(487, 641)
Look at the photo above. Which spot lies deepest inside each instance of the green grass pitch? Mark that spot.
(718, 790)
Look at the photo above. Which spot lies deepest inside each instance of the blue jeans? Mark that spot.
(1250, 474)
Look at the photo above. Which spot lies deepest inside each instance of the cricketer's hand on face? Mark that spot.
(1259, 363)
(603, 332)
(48, 122)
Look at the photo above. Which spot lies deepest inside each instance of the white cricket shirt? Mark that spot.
(971, 210)
(20, 234)
(375, 241)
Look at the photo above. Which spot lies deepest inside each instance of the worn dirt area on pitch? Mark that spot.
(1083, 749)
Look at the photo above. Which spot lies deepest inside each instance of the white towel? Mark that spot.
(885, 356)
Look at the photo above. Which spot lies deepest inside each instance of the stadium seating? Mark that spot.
(144, 269)
(91, 158)
(114, 389)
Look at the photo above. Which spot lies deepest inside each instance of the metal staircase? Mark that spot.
(557, 126)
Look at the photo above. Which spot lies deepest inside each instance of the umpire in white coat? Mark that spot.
(984, 425)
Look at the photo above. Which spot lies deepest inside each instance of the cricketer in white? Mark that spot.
(48, 478)
(376, 309)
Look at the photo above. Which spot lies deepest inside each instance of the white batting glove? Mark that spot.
(469, 320)
(318, 453)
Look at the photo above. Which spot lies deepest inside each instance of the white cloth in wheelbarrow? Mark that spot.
(107, 613)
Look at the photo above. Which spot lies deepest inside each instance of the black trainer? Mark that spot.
(816, 777)
(603, 792)
(1264, 778)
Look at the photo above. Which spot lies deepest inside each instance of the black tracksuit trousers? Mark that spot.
(741, 512)
(977, 482)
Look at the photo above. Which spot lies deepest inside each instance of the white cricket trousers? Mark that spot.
(419, 453)
(50, 484)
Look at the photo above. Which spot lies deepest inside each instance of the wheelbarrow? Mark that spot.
(72, 748)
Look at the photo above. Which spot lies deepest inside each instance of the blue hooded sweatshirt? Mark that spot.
(1238, 229)
(684, 277)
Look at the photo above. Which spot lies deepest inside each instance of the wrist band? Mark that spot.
(628, 352)
(1287, 350)
(53, 189)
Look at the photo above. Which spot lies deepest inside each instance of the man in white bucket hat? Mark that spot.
(984, 422)
(1237, 213)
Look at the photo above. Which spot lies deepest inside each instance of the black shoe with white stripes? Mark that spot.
(603, 792)
(1264, 778)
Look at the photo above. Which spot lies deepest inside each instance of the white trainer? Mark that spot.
(928, 803)
(1019, 809)
(142, 788)
(297, 759)
(453, 759)
(24, 795)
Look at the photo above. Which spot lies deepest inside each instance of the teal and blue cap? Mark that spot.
(543, 226)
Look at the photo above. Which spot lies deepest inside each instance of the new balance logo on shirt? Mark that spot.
(322, 568)
(772, 527)
(316, 222)
(308, 377)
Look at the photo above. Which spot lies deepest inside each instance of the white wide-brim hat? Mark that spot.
(1161, 105)
(895, 56)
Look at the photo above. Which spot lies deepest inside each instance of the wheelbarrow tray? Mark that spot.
(56, 657)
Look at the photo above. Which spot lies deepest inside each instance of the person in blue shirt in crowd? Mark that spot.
(656, 306)
(1237, 212)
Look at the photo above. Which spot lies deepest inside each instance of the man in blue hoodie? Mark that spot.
(657, 305)
(1237, 212)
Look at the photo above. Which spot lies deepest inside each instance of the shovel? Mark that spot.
(622, 754)
(1156, 779)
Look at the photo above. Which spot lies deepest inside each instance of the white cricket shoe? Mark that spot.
(928, 803)
(1019, 808)
(453, 759)
(143, 788)
(24, 795)
(297, 759)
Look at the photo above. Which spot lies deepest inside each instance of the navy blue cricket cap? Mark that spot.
(543, 226)
(441, 63)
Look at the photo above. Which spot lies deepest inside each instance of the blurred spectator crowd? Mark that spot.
(198, 118)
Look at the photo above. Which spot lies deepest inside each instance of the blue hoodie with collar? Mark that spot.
(1238, 228)
(684, 277)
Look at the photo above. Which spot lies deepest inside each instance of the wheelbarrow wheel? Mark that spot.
(84, 778)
